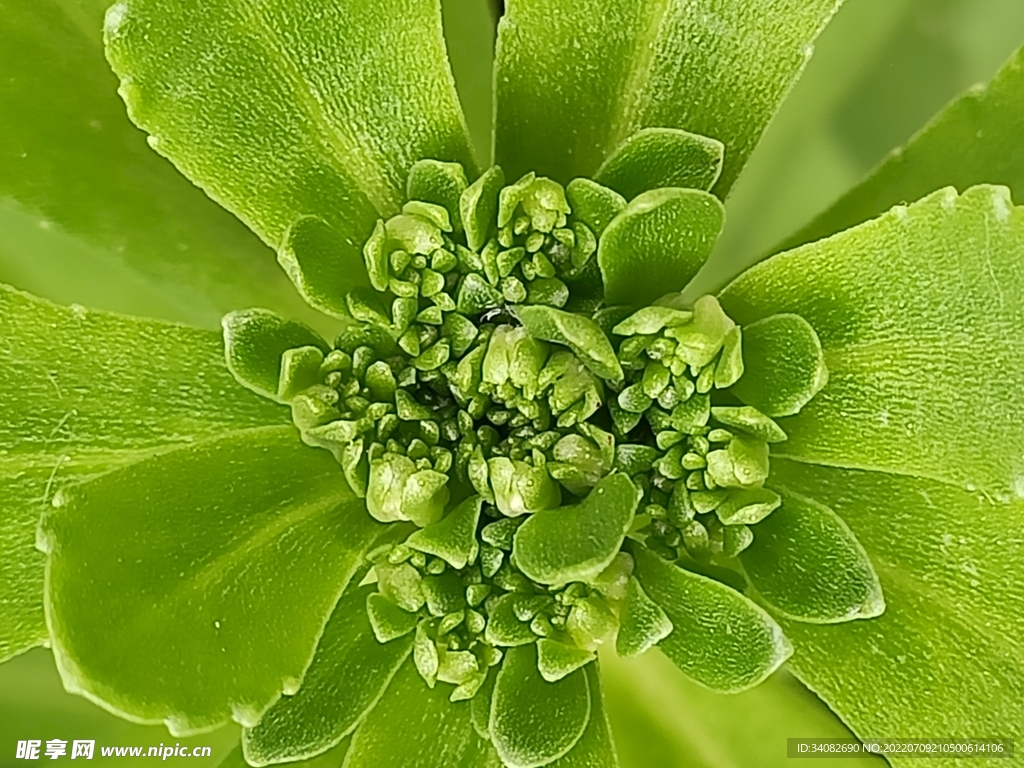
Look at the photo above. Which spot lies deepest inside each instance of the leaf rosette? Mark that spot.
(523, 441)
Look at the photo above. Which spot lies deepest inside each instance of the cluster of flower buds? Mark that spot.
(516, 434)
(703, 476)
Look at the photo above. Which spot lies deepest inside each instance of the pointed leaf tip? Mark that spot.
(534, 722)
(453, 537)
(644, 623)
(719, 637)
(255, 340)
(807, 564)
(657, 244)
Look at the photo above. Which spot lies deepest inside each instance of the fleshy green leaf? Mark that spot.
(478, 206)
(578, 332)
(661, 718)
(83, 393)
(417, 726)
(662, 157)
(919, 314)
(270, 126)
(534, 722)
(322, 266)
(595, 749)
(574, 82)
(90, 214)
(255, 339)
(593, 204)
(719, 638)
(644, 624)
(951, 633)
(557, 546)
(348, 676)
(657, 244)
(226, 556)
(783, 365)
(453, 537)
(974, 140)
(807, 565)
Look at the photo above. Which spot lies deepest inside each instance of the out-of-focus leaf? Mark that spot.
(88, 213)
(974, 140)
(313, 109)
(919, 314)
(226, 557)
(951, 633)
(659, 717)
(469, 28)
(34, 705)
(575, 81)
(418, 727)
(83, 393)
(349, 674)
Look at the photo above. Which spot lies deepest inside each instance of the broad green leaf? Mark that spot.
(418, 727)
(946, 656)
(83, 393)
(807, 565)
(661, 718)
(783, 365)
(89, 213)
(574, 82)
(272, 125)
(918, 313)
(578, 332)
(255, 340)
(596, 748)
(719, 638)
(534, 722)
(662, 157)
(657, 244)
(576, 543)
(974, 140)
(346, 679)
(226, 556)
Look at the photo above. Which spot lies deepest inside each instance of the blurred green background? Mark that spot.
(880, 71)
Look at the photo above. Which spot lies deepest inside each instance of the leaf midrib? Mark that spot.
(347, 155)
(633, 94)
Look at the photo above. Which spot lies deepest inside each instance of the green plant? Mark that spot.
(543, 445)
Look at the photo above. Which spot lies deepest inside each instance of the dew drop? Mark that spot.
(245, 715)
(216, 624)
(290, 686)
